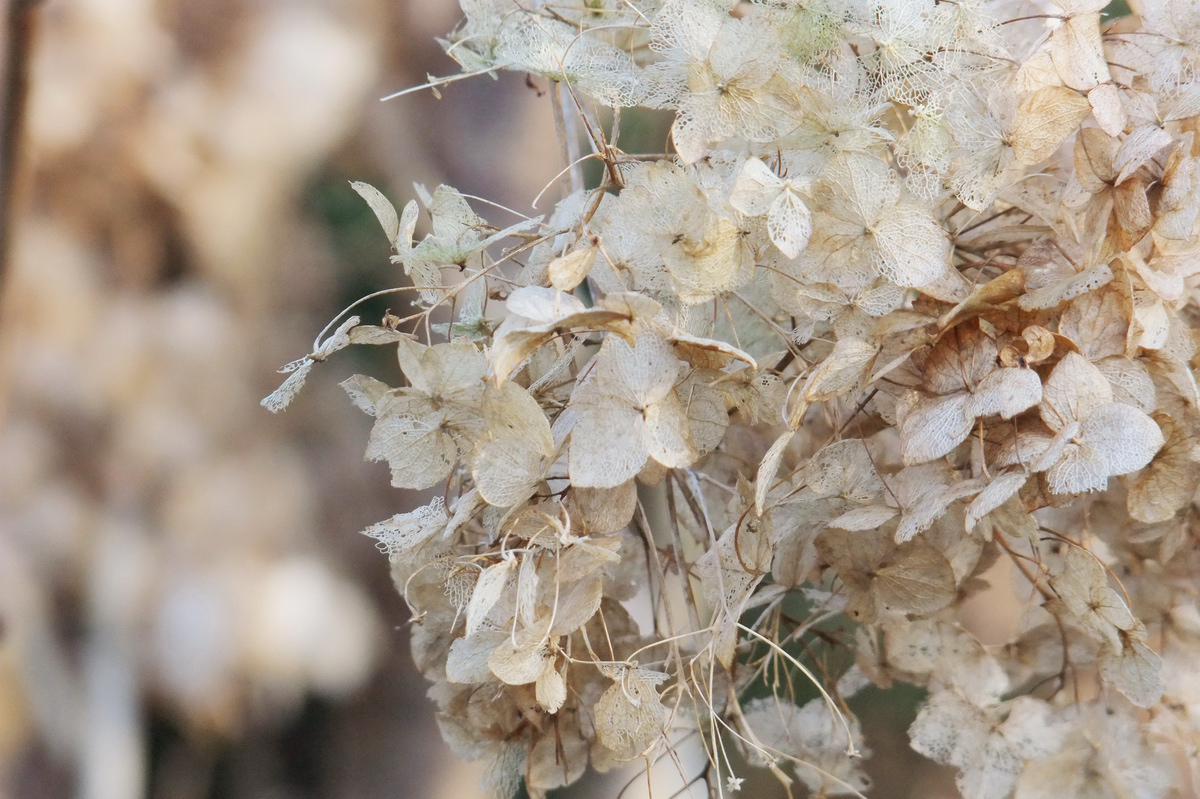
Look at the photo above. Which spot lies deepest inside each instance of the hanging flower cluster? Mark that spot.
(913, 293)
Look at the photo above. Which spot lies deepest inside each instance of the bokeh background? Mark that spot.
(187, 607)
(187, 610)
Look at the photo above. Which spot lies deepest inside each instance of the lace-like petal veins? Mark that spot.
(1114, 439)
(1170, 481)
(1138, 148)
(1077, 470)
(911, 248)
(1082, 586)
(952, 731)
(365, 392)
(644, 373)
(1098, 322)
(629, 717)
(756, 189)
(935, 427)
(1134, 671)
(338, 340)
(1074, 389)
(789, 223)
(718, 263)
(467, 661)
(923, 493)
(282, 397)
(843, 469)
(420, 451)
(406, 533)
(608, 446)
(515, 450)
(1043, 122)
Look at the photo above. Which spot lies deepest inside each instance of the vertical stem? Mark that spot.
(568, 132)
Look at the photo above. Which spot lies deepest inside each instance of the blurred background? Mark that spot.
(187, 610)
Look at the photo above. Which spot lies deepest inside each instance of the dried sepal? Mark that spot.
(628, 411)
(1044, 120)
(1095, 437)
(516, 448)
(384, 211)
(401, 536)
(298, 370)
(629, 716)
(979, 301)
(568, 271)
(489, 587)
(1169, 482)
(844, 370)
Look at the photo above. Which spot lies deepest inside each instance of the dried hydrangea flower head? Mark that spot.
(911, 295)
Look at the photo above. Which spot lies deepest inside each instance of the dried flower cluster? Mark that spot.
(912, 294)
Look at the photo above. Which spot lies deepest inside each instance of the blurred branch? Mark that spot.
(19, 20)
